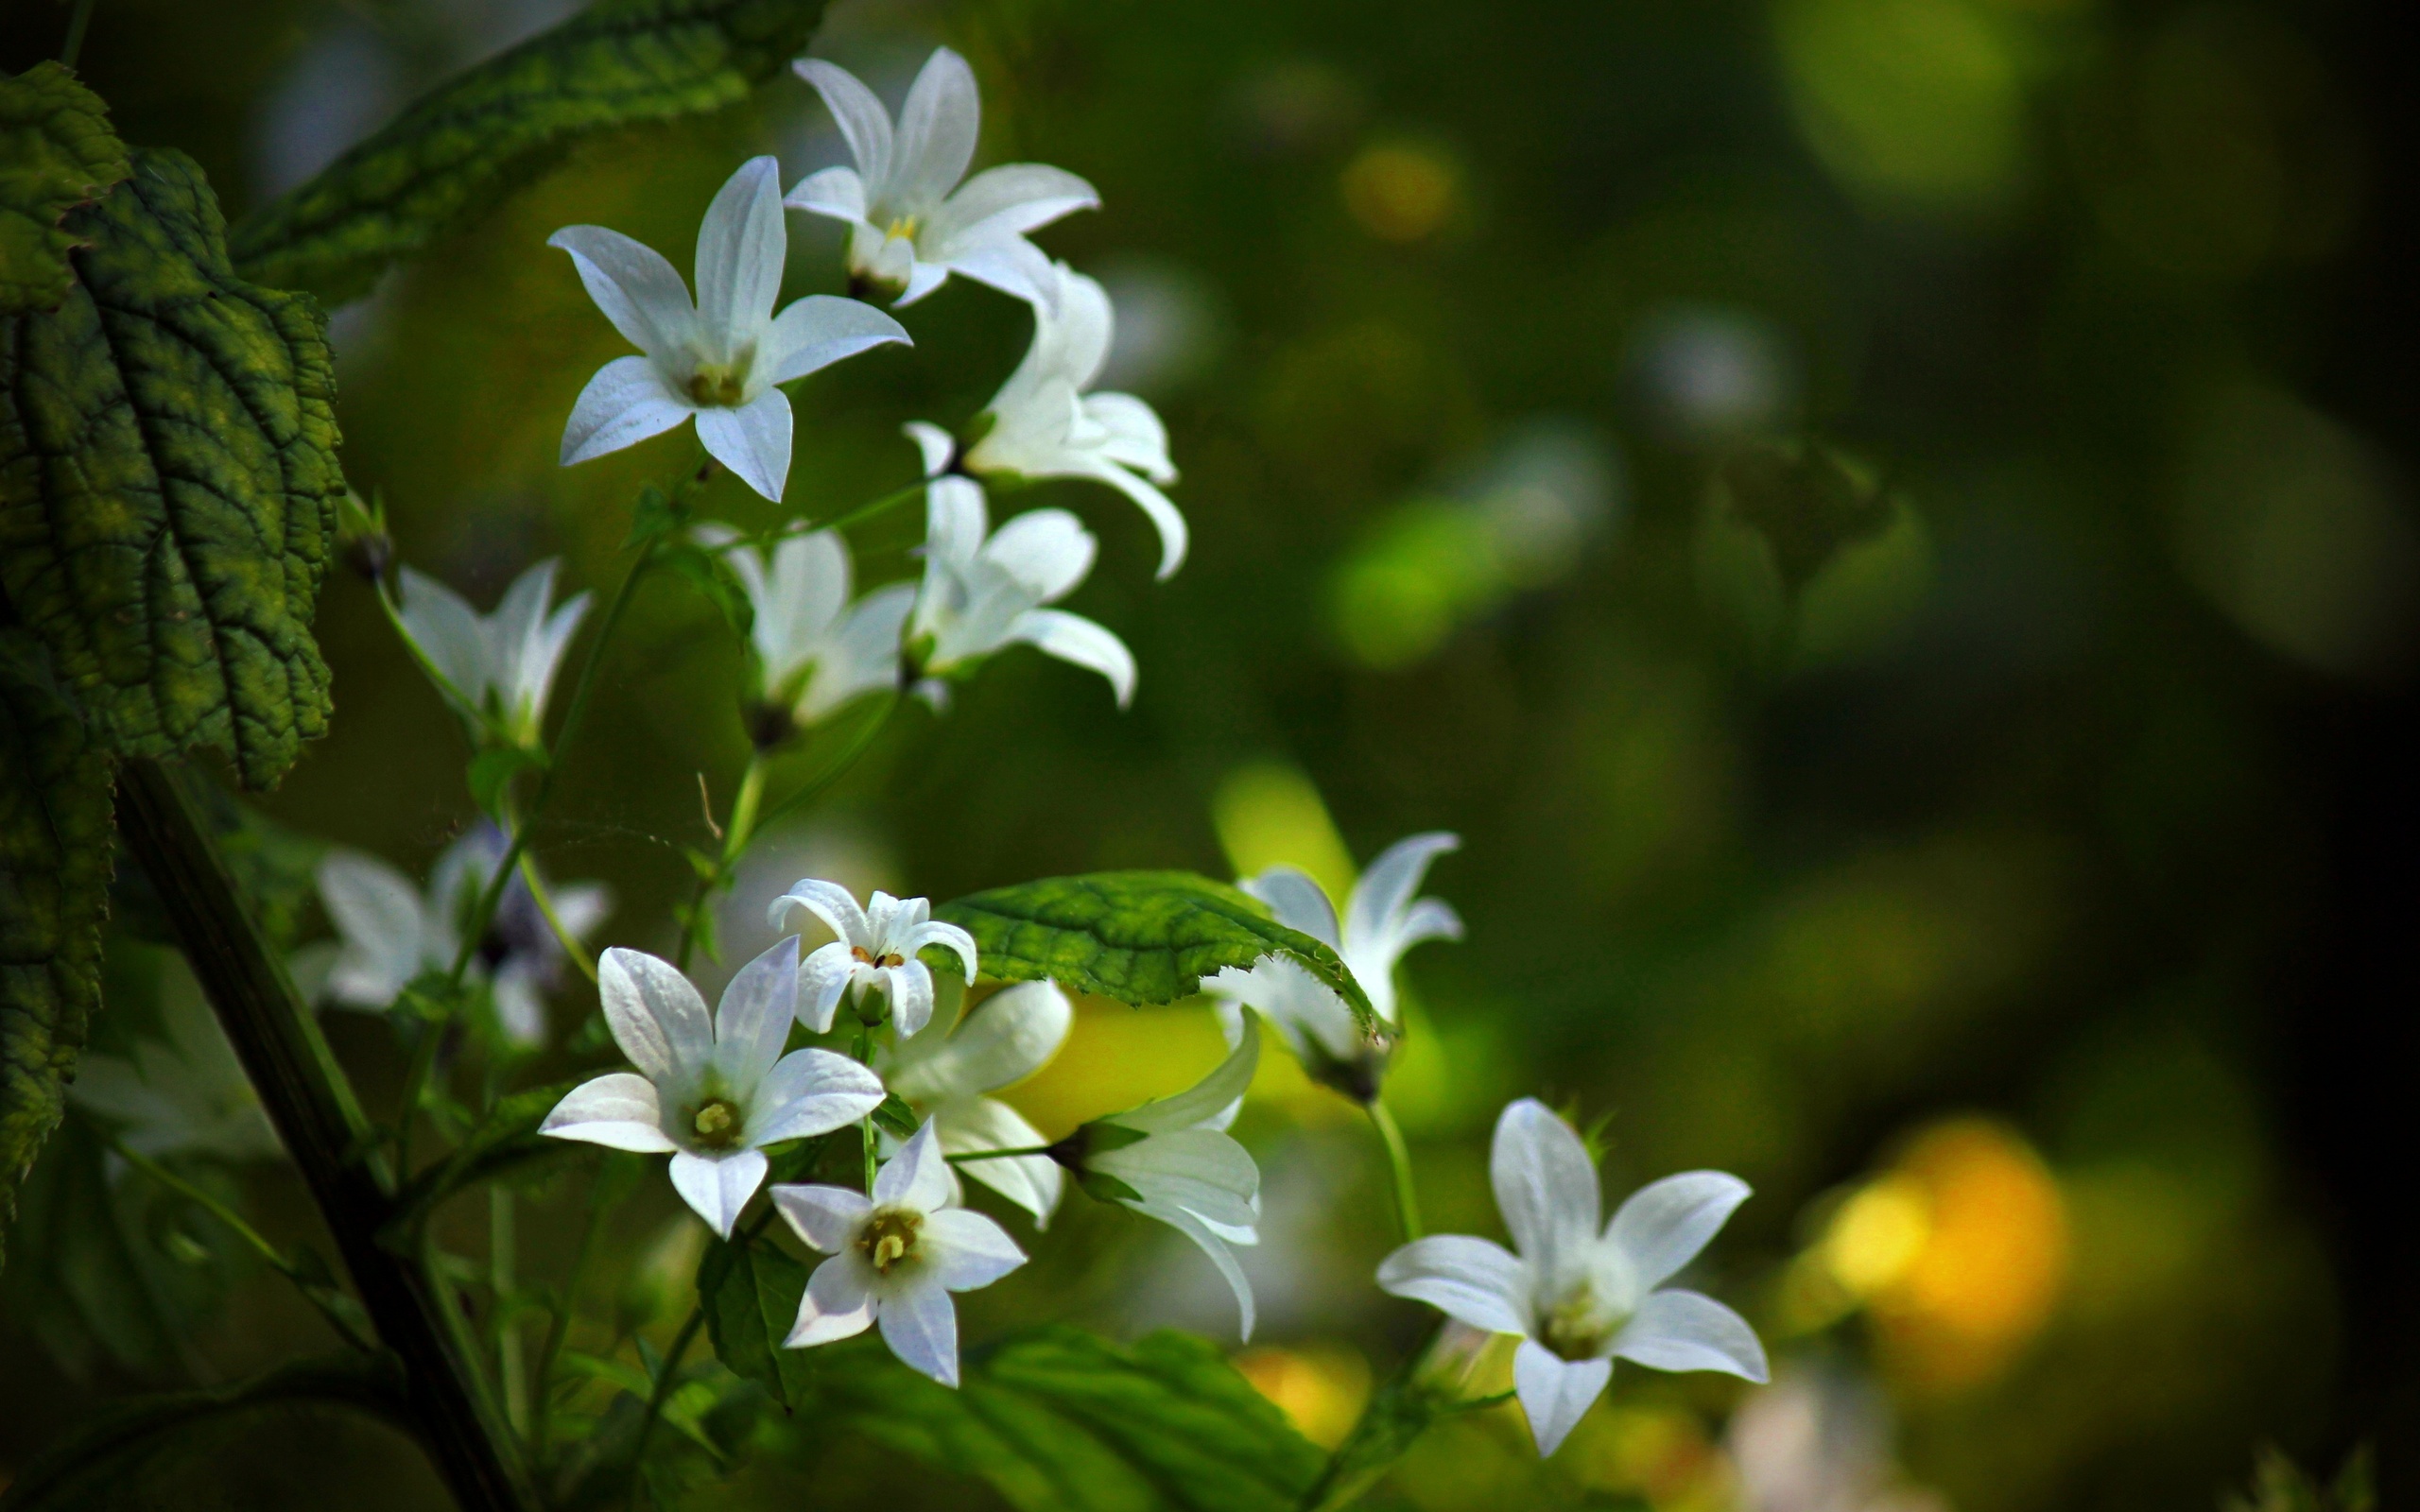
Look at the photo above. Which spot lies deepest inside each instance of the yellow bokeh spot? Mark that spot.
(1400, 192)
(1268, 814)
(1878, 1236)
(1321, 1387)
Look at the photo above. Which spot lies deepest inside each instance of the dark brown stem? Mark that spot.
(324, 1129)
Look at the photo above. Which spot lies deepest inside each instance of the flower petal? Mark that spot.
(1544, 1183)
(1666, 1223)
(753, 1020)
(934, 445)
(1383, 896)
(1047, 551)
(862, 654)
(1005, 1039)
(835, 192)
(937, 130)
(1684, 1331)
(656, 1016)
(1009, 263)
(740, 247)
(1299, 903)
(1034, 1182)
(822, 977)
(860, 117)
(809, 1093)
(917, 1176)
(1213, 1247)
(378, 912)
(948, 936)
(969, 1249)
(829, 901)
(618, 1111)
(1473, 1280)
(919, 1323)
(449, 632)
(1081, 643)
(910, 986)
(639, 291)
(752, 440)
(1136, 439)
(1555, 1392)
(837, 1304)
(1009, 200)
(818, 331)
(1208, 1103)
(1164, 515)
(1200, 1170)
(825, 1217)
(717, 1188)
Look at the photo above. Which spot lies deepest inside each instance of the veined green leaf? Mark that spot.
(458, 149)
(169, 483)
(1058, 1420)
(55, 839)
(1138, 936)
(749, 1290)
(57, 151)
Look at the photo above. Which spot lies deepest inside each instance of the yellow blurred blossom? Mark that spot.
(1401, 192)
(1321, 1387)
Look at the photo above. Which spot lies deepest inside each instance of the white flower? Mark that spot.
(713, 1093)
(1578, 1297)
(1172, 1159)
(817, 650)
(984, 590)
(389, 932)
(1382, 919)
(185, 1093)
(1041, 424)
(876, 948)
(896, 1257)
(907, 229)
(1007, 1037)
(501, 666)
(720, 359)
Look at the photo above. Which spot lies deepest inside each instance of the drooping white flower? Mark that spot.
(1005, 1039)
(876, 949)
(184, 1093)
(1382, 919)
(1043, 424)
(720, 358)
(816, 649)
(389, 932)
(911, 223)
(1577, 1296)
(985, 590)
(711, 1092)
(1173, 1159)
(500, 665)
(896, 1256)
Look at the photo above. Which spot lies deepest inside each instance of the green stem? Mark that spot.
(995, 1155)
(863, 1051)
(320, 1124)
(842, 522)
(415, 1090)
(573, 950)
(815, 787)
(558, 1327)
(664, 1383)
(74, 46)
(1399, 1162)
(502, 1241)
(736, 837)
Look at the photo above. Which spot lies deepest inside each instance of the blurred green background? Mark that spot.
(2020, 897)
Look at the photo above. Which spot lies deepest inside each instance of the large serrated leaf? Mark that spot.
(1138, 936)
(751, 1290)
(53, 892)
(459, 149)
(169, 483)
(1058, 1420)
(57, 152)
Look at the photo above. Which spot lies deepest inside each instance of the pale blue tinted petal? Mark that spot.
(826, 1217)
(754, 1018)
(1299, 903)
(810, 1093)
(752, 440)
(717, 1189)
(378, 912)
(1544, 1183)
(910, 989)
(917, 1176)
(1472, 1279)
(1221, 1256)
(820, 329)
(619, 1111)
(837, 1304)
(969, 1249)
(640, 292)
(1009, 200)
(1684, 1331)
(1666, 1223)
(919, 1323)
(740, 245)
(1556, 1393)
(829, 901)
(860, 117)
(656, 1016)
(624, 405)
(821, 978)
(937, 130)
(1374, 916)
(1047, 551)
(837, 193)
(448, 631)
(1034, 1182)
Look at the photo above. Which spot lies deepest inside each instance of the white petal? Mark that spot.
(1007, 1037)
(1075, 640)
(1682, 1331)
(520, 1010)
(1472, 1279)
(1009, 263)
(1164, 515)
(1544, 1183)
(639, 291)
(829, 901)
(1213, 1247)
(1136, 439)
(656, 1016)
(826, 1217)
(619, 1111)
(1209, 1102)
(1047, 551)
(836, 1306)
(1200, 1170)
(449, 632)
(862, 655)
(1556, 1393)
(910, 989)
(937, 130)
(917, 1176)
(1666, 1223)
(377, 910)
(919, 1323)
(1034, 1182)
(1086, 325)
(1009, 200)
(809, 1093)
(752, 440)
(861, 118)
(533, 676)
(1384, 894)
(582, 906)
(717, 1188)
(969, 1249)
(837, 192)
(753, 1020)
(934, 445)
(1299, 903)
(820, 329)
(932, 931)
(740, 247)
(823, 976)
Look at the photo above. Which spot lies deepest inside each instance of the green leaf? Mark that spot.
(750, 1289)
(275, 869)
(458, 151)
(1058, 1420)
(896, 1117)
(1399, 1412)
(1138, 936)
(169, 483)
(1807, 500)
(57, 152)
(504, 1141)
(55, 837)
(494, 769)
(268, 1442)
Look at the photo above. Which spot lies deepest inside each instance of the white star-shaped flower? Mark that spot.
(1005, 1039)
(911, 223)
(1173, 1159)
(896, 1256)
(1043, 424)
(720, 358)
(711, 1092)
(1382, 919)
(876, 949)
(1577, 1296)
(814, 649)
(184, 1094)
(499, 666)
(984, 590)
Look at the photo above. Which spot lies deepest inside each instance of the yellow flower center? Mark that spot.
(865, 958)
(1578, 1327)
(902, 226)
(716, 1123)
(889, 1237)
(714, 382)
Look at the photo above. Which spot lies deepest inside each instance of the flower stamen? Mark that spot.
(717, 1123)
(889, 1237)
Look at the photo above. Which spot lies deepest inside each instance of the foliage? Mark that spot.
(2279, 1485)
(57, 152)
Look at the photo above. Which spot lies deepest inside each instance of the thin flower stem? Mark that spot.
(558, 1325)
(843, 520)
(1399, 1162)
(656, 1399)
(823, 781)
(573, 949)
(995, 1155)
(415, 1090)
(502, 1242)
(736, 835)
(864, 1052)
(74, 46)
